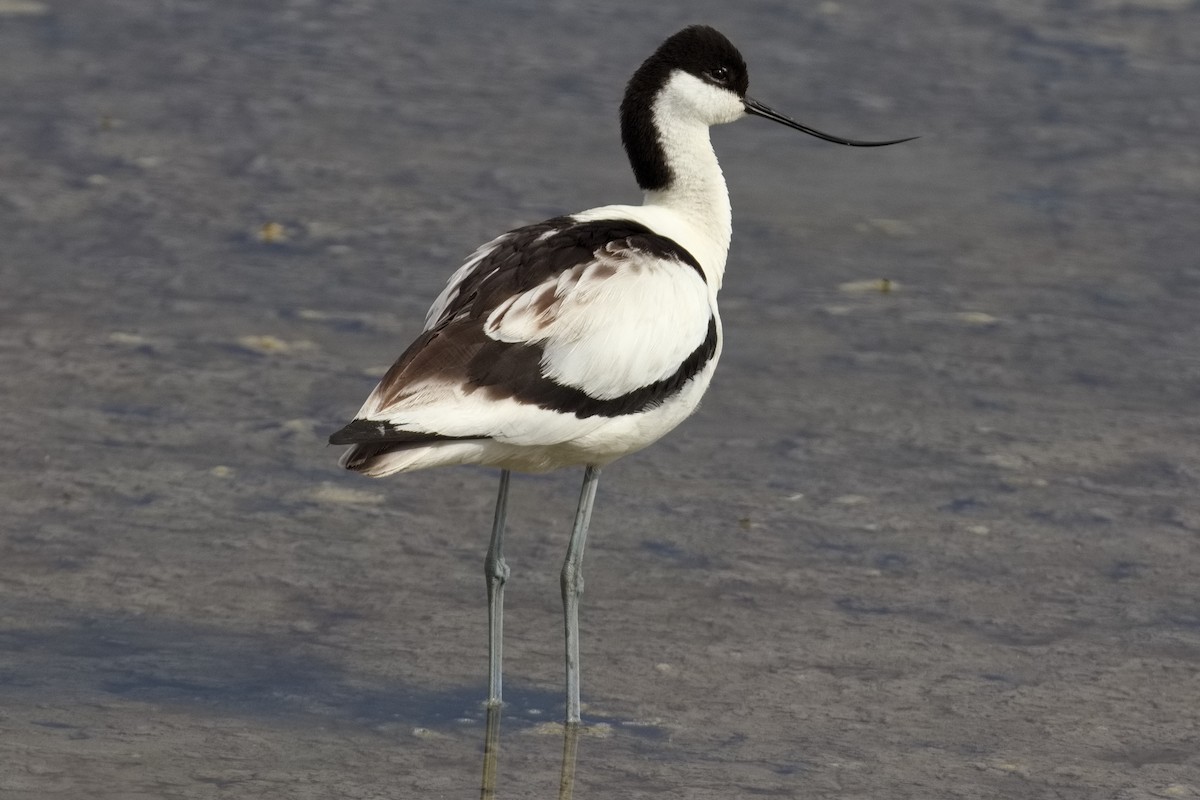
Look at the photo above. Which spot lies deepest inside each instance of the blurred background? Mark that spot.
(934, 533)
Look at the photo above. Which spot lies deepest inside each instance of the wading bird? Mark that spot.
(584, 338)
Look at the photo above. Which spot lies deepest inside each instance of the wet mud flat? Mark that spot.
(932, 537)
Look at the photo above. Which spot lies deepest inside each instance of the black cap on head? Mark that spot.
(698, 50)
(705, 53)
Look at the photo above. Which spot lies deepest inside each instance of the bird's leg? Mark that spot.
(496, 571)
(572, 587)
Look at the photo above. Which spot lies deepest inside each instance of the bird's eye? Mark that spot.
(719, 75)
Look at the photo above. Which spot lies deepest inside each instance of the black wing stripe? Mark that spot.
(362, 431)
(506, 370)
(514, 371)
(531, 256)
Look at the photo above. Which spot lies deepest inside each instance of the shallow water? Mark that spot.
(937, 541)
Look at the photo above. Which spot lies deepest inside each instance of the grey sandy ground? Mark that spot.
(940, 541)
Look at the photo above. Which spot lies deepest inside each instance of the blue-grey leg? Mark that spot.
(572, 586)
(496, 571)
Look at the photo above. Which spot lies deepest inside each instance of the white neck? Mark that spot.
(697, 190)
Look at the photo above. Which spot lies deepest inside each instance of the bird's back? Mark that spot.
(576, 340)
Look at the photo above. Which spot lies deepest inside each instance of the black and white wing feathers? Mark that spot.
(543, 334)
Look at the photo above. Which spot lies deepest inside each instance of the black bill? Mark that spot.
(759, 110)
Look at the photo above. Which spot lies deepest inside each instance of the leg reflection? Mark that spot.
(491, 753)
(566, 782)
(491, 757)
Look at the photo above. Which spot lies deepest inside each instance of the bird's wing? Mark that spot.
(544, 332)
